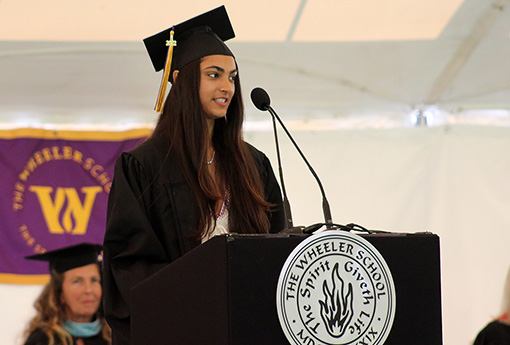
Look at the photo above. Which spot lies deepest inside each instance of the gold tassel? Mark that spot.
(166, 73)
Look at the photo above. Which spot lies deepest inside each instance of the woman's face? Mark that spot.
(217, 77)
(81, 293)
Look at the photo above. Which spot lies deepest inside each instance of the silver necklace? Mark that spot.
(212, 158)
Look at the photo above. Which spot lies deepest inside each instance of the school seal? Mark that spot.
(335, 288)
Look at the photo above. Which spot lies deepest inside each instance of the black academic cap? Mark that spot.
(200, 36)
(64, 259)
(195, 38)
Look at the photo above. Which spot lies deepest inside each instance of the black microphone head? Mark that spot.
(260, 98)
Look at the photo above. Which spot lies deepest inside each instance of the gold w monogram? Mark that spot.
(76, 213)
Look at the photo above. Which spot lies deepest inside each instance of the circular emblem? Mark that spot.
(57, 191)
(335, 288)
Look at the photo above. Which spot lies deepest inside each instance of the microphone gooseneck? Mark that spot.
(261, 100)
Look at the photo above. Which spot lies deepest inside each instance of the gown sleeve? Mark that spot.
(132, 249)
(37, 337)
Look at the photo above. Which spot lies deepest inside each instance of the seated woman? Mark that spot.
(496, 332)
(68, 309)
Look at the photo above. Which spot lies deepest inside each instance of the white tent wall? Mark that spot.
(449, 180)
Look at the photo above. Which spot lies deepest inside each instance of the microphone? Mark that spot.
(261, 100)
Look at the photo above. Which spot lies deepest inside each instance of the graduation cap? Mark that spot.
(195, 38)
(64, 259)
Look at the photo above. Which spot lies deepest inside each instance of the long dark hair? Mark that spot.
(183, 123)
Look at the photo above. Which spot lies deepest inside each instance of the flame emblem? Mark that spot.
(337, 306)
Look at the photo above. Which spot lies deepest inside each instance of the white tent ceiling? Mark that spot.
(75, 61)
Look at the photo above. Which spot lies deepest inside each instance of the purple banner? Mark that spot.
(54, 192)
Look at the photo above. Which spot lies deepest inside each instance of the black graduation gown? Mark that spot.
(495, 333)
(38, 337)
(151, 212)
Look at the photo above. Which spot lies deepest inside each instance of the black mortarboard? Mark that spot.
(64, 259)
(195, 38)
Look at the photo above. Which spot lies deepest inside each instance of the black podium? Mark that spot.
(224, 292)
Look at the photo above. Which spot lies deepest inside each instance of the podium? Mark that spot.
(224, 292)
